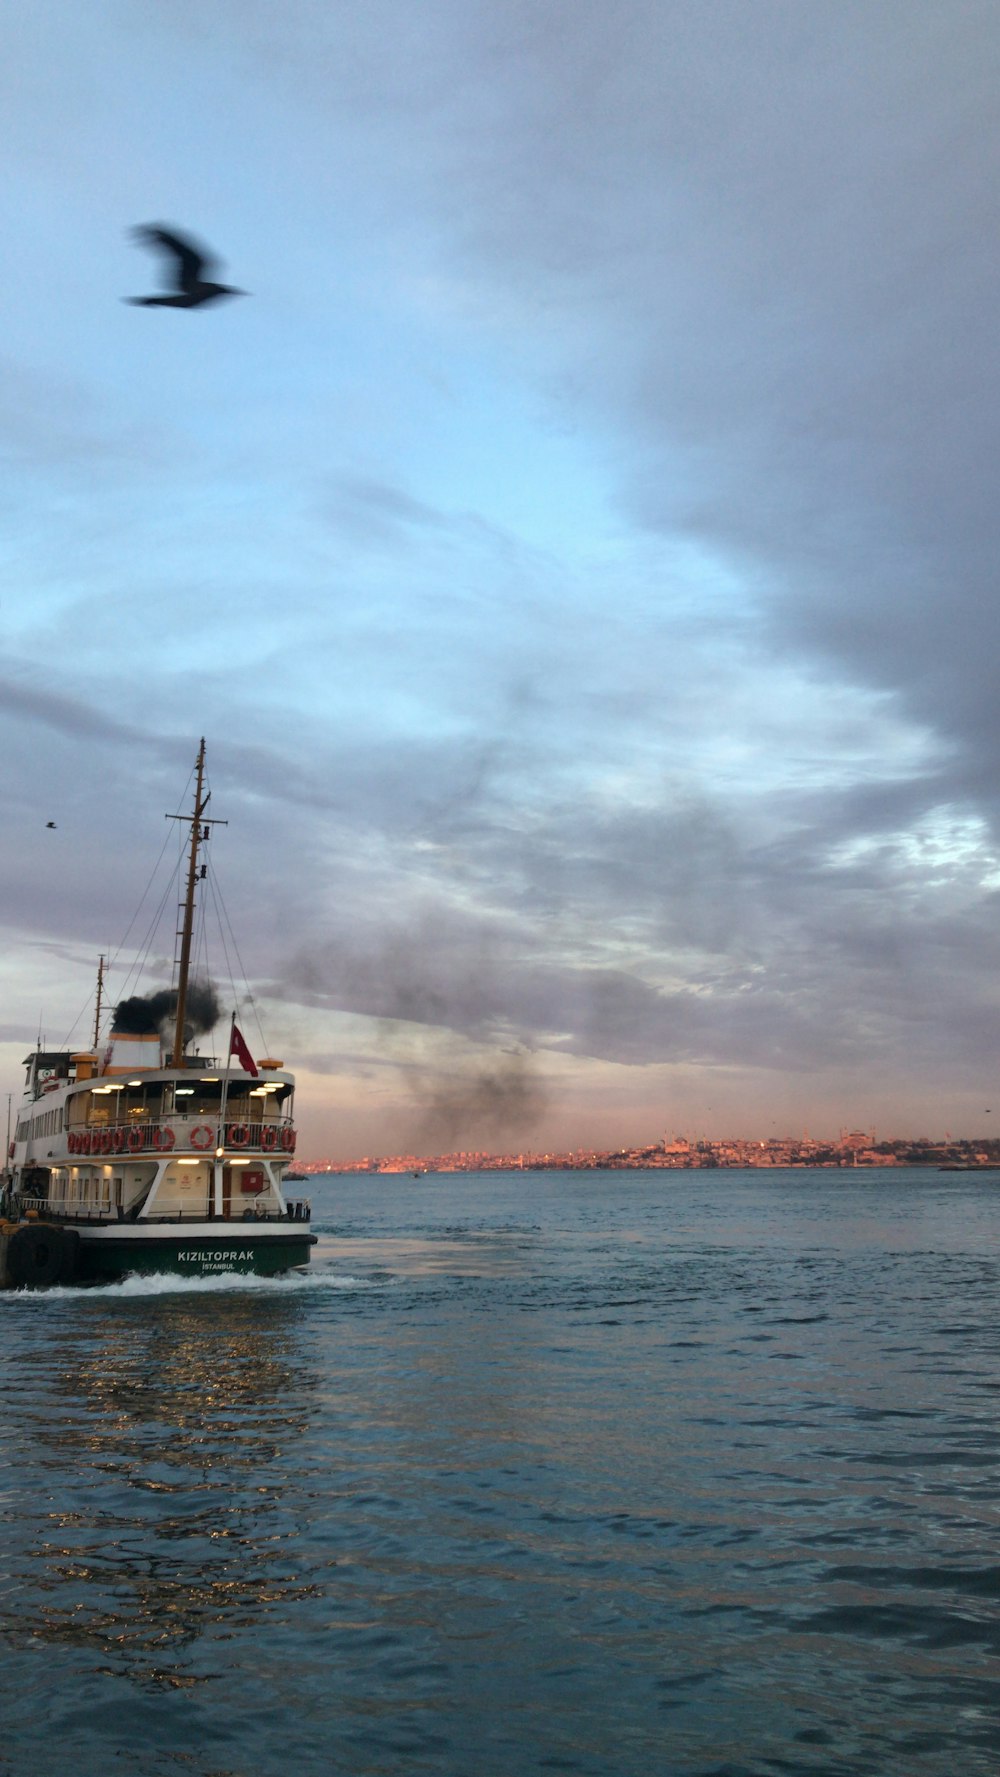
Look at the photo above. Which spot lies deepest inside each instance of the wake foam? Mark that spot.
(219, 1283)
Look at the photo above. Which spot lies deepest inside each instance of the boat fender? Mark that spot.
(202, 1136)
(236, 1135)
(37, 1254)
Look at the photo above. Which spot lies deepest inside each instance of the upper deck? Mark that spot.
(159, 1110)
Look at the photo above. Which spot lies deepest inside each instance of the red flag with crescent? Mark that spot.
(238, 1047)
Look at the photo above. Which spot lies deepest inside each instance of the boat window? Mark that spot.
(77, 1107)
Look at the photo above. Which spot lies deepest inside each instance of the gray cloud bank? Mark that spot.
(753, 250)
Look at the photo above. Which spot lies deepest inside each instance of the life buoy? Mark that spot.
(105, 1141)
(236, 1135)
(288, 1140)
(118, 1140)
(200, 1130)
(268, 1136)
(135, 1140)
(71, 1143)
(163, 1138)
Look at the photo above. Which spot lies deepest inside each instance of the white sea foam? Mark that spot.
(219, 1283)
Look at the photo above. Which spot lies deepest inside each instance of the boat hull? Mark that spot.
(107, 1255)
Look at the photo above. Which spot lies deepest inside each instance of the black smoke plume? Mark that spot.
(492, 1104)
(143, 1014)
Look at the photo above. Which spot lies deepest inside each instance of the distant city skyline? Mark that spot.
(851, 1148)
(578, 550)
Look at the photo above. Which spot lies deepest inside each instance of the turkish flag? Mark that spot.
(237, 1047)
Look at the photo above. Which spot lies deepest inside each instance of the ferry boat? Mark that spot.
(139, 1156)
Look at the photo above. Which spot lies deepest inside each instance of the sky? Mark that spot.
(579, 551)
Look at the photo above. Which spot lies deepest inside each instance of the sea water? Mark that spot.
(610, 1473)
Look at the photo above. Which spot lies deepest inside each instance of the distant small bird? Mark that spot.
(187, 263)
(50, 823)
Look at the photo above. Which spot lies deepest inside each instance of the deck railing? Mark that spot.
(273, 1135)
(300, 1210)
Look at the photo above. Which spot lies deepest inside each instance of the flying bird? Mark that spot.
(186, 268)
(50, 823)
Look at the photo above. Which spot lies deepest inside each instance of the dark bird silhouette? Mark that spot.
(50, 823)
(186, 268)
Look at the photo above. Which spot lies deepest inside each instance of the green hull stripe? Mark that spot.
(103, 1260)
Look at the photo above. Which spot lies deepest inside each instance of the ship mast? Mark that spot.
(97, 1012)
(199, 831)
(187, 926)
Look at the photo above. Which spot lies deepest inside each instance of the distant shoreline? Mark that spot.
(852, 1152)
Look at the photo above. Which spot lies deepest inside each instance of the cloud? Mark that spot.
(30, 703)
(581, 551)
(373, 511)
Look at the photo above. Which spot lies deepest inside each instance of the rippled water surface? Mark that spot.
(600, 1473)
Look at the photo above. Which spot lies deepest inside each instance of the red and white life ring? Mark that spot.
(163, 1138)
(118, 1140)
(135, 1139)
(288, 1140)
(268, 1136)
(236, 1135)
(202, 1130)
